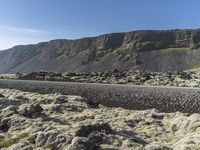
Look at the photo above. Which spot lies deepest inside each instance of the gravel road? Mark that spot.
(165, 99)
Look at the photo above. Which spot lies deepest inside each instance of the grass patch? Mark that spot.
(197, 65)
(8, 142)
(176, 49)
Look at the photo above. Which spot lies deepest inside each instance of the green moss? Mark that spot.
(8, 142)
(197, 65)
(22, 135)
(176, 49)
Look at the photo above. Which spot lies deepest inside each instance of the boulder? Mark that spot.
(86, 130)
(52, 139)
(2, 96)
(20, 146)
(83, 143)
(60, 100)
(31, 110)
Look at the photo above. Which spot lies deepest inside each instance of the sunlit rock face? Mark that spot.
(166, 50)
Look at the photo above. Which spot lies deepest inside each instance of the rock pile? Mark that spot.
(31, 121)
(41, 75)
(8, 76)
(183, 79)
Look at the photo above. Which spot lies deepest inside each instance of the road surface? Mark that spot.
(165, 99)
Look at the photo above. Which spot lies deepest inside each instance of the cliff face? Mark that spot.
(166, 50)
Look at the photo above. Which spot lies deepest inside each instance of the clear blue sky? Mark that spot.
(32, 21)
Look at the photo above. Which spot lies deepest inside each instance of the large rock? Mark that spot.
(51, 139)
(190, 142)
(86, 130)
(1, 95)
(31, 110)
(83, 143)
(186, 123)
(79, 143)
(8, 111)
(20, 146)
(4, 125)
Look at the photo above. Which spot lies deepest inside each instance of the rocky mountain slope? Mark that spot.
(166, 50)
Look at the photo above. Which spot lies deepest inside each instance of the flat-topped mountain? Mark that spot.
(149, 50)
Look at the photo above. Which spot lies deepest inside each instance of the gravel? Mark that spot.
(166, 99)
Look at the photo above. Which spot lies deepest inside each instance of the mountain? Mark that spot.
(150, 50)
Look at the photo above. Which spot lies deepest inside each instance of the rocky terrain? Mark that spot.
(33, 121)
(180, 79)
(151, 50)
(61, 122)
(8, 76)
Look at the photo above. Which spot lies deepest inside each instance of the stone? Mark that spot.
(2, 96)
(8, 111)
(128, 143)
(79, 143)
(185, 75)
(86, 130)
(159, 117)
(156, 147)
(4, 125)
(83, 143)
(190, 142)
(95, 139)
(31, 110)
(60, 100)
(20, 146)
(51, 139)
(190, 123)
(93, 104)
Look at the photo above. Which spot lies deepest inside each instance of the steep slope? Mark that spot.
(144, 50)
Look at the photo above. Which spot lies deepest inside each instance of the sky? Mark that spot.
(32, 21)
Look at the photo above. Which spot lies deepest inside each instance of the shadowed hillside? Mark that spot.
(166, 50)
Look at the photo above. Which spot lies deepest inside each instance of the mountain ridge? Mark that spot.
(150, 50)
